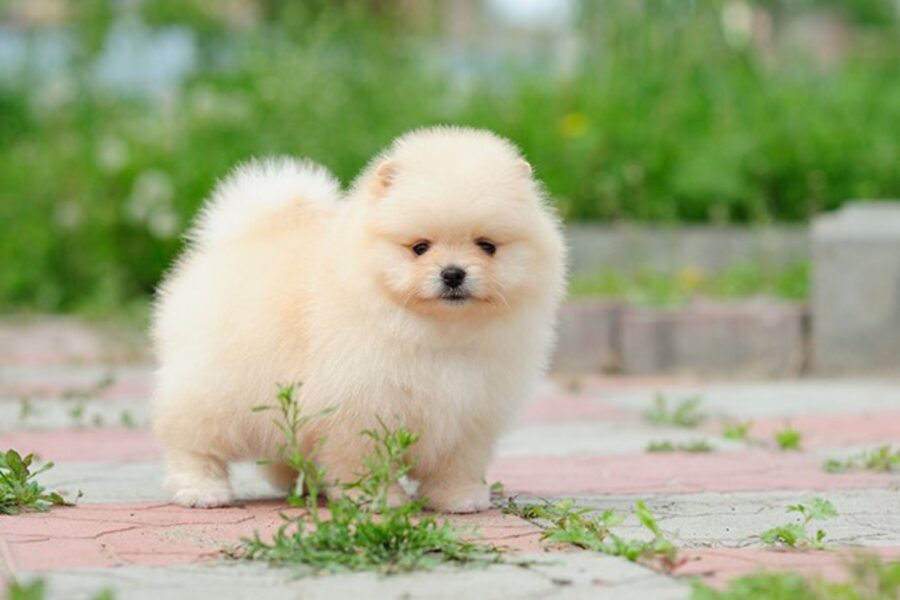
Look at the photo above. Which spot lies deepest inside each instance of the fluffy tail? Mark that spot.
(257, 190)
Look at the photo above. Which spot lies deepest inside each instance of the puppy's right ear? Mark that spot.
(384, 177)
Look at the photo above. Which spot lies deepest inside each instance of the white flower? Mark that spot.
(112, 155)
(150, 204)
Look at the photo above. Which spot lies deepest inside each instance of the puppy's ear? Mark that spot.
(524, 167)
(385, 174)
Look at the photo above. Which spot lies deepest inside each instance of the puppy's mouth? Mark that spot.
(455, 296)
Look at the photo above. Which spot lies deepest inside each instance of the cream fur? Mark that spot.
(285, 281)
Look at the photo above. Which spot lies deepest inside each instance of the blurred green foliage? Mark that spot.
(667, 115)
(663, 290)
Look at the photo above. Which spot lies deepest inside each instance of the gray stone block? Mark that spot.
(755, 338)
(588, 337)
(856, 289)
(629, 248)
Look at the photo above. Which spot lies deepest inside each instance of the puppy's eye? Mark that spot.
(421, 248)
(488, 247)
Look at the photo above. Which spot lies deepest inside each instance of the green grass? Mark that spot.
(798, 535)
(98, 187)
(788, 439)
(883, 459)
(19, 488)
(692, 447)
(673, 290)
(869, 578)
(37, 590)
(736, 430)
(360, 531)
(565, 523)
(685, 412)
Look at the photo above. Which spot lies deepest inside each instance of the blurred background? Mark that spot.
(117, 117)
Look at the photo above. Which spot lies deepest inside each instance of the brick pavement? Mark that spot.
(583, 439)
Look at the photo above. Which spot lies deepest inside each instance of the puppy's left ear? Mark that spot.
(385, 174)
(525, 167)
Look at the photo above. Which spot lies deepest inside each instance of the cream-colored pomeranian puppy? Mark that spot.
(426, 297)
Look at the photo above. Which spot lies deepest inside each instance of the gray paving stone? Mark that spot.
(557, 576)
(139, 482)
(777, 399)
(589, 337)
(865, 517)
(754, 338)
(856, 289)
(17, 381)
(627, 247)
(598, 437)
(49, 413)
(40, 415)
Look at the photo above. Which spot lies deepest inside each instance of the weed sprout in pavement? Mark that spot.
(692, 447)
(566, 523)
(37, 590)
(869, 578)
(883, 459)
(736, 430)
(788, 438)
(797, 535)
(19, 489)
(360, 530)
(686, 413)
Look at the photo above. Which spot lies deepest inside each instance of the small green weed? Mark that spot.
(361, 531)
(26, 409)
(685, 413)
(566, 523)
(796, 535)
(788, 439)
(882, 460)
(126, 420)
(78, 397)
(19, 490)
(736, 430)
(37, 590)
(869, 579)
(497, 491)
(768, 586)
(693, 447)
(76, 412)
(290, 422)
(90, 391)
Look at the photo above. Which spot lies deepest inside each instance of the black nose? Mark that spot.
(453, 276)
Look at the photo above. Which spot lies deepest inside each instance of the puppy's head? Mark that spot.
(456, 224)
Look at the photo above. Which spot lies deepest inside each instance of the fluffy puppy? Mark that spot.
(427, 295)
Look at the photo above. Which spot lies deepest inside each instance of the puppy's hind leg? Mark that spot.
(198, 480)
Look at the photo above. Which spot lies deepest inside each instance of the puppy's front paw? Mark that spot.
(204, 497)
(469, 498)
